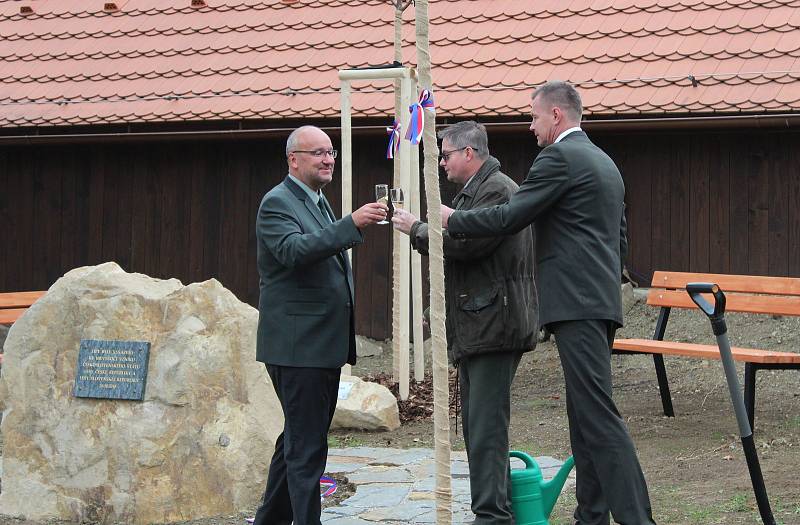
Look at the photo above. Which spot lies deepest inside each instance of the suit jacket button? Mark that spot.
(349, 305)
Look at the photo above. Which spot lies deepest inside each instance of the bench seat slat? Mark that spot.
(730, 283)
(18, 299)
(749, 355)
(9, 316)
(757, 304)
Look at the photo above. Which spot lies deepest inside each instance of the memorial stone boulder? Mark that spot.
(198, 443)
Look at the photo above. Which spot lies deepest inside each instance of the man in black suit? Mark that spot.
(573, 195)
(305, 324)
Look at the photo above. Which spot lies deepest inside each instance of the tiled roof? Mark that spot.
(82, 62)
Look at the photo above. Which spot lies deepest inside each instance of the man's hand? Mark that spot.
(403, 220)
(369, 214)
(446, 213)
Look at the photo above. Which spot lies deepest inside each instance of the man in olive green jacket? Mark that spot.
(491, 314)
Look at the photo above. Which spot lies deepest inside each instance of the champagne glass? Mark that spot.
(397, 198)
(382, 196)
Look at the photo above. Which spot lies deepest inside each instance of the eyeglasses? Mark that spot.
(445, 156)
(319, 152)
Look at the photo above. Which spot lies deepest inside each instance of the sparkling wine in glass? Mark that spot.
(397, 198)
(382, 196)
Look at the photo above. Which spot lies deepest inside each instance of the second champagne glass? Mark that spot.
(382, 196)
(397, 198)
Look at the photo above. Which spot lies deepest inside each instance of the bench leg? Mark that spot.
(663, 385)
(750, 393)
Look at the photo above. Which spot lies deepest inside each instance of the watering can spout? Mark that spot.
(551, 489)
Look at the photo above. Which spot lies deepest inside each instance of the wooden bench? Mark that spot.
(744, 293)
(13, 305)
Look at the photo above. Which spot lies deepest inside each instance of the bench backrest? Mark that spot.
(14, 304)
(18, 299)
(743, 293)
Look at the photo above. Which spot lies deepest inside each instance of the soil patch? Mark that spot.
(419, 405)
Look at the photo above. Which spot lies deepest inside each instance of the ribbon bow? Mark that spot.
(394, 140)
(417, 124)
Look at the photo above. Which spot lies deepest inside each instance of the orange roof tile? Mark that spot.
(154, 60)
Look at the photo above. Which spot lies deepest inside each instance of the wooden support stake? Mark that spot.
(347, 170)
(416, 273)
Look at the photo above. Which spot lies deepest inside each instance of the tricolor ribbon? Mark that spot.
(394, 140)
(417, 123)
(329, 485)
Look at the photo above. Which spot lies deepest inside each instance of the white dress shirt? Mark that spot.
(567, 132)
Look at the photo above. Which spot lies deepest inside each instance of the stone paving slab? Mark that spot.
(395, 486)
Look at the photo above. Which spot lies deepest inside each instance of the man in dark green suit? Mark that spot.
(574, 195)
(305, 325)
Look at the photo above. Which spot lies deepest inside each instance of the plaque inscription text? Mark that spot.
(112, 369)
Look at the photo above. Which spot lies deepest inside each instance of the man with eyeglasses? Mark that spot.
(491, 314)
(574, 196)
(306, 329)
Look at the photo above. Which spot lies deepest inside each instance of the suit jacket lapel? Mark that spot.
(309, 204)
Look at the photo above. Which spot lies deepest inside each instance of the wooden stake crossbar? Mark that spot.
(410, 267)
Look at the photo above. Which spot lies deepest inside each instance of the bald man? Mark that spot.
(306, 330)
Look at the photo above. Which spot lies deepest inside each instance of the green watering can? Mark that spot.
(532, 499)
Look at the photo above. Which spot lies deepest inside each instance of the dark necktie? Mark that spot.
(326, 218)
(326, 221)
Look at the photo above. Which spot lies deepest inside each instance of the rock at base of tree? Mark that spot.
(365, 405)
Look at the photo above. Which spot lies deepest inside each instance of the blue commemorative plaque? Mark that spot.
(112, 369)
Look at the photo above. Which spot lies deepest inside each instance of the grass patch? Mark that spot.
(529, 448)
(703, 516)
(793, 423)
(564, 508)
(718, 436)
(671, 507)
(344, 441)
(738, 503)
(785, 512)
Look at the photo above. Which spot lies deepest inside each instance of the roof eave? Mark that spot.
(599, 123)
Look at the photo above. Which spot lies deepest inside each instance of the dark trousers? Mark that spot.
(308, 399)
(608, 475)
(485, 389)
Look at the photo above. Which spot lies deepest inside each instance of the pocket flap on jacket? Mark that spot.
(479, 301)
